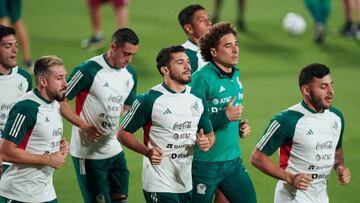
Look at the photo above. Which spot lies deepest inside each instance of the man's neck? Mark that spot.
(223, 67)
(4, 71)
(174, 85)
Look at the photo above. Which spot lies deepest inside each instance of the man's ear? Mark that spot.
(188, 29)
(164, 70)
(213, 52)
(305, 89)
(42, 81)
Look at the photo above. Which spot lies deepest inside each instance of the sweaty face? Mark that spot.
(180, 70)
(122, 56)
(226, 53)
(56, 83)
(200, 23)
(321, 93)
(8, 51)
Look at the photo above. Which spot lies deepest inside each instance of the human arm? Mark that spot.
(128, 139)
(89, 130)
(205, 141)
(261, 161)
(244, 129)
(10, 152)
(343, 173)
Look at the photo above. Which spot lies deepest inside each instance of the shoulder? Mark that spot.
(24, 73)
(131, 70)
(288, 116)
(26, 106)
(337, 112)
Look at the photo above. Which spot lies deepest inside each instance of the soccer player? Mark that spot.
(102, 85)
(32, 138)
(12, 9)
(121, 14)
(219, 82)
(319, 11)
(309, 135)
(170, 113)
(14, 81)
(195, 22)
(240, 13)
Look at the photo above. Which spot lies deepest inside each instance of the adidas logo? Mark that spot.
(167, 111)
(106, 84)
(310, 132)
(47, 119)
(221, 89)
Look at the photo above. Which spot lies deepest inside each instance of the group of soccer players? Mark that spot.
(191, 124)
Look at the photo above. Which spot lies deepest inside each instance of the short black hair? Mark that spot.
(5, 31)
(164, 56)
(312, 70)
(186, 14)
(123, 35)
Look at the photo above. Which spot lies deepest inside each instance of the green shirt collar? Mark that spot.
(307, 108)
(11, 69)
(221, 73)
(107, 62)
(170, 90)
(37, 93)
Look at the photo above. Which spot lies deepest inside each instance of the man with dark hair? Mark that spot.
(219, 82)
(14, 81)
(195, 22)
(170, 113)
(32, 139)
(309, 135)
(102, 86)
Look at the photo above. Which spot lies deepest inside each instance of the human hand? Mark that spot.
(155, 155)
(64, 146)
(344, 175)
(91, 131)
(244, 129)
(203, 141)
(56, 159)
(233, 112)
(301, 181)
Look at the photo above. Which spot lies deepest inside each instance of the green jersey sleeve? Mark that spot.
(338, 113)
(140, 111)
(28, 78)
(81, 78)
(132, 96)
(280, 129)
(22, 119)
(204, 121)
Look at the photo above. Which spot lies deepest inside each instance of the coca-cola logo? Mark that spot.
(181, 126)
(7, 107)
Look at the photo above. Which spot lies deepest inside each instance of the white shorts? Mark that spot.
(286, 193)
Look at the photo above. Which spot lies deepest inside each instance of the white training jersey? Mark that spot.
(193, 52)
(307, 140)
(101, 91)
(170, 121)
(34, 125)
(12, 86)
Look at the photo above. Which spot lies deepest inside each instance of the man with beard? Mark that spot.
(219, 82)
(14, 81)
(195, 22)
(170, 114)
(309, 135)
(32, 139)
(102, 86)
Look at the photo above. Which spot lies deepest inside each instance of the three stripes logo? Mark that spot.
(222, 89)
(74, 80)
(19, 120)
(167, 111)
(106, 84)
(268, 134)
(310, 132)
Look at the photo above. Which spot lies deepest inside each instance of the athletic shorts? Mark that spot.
(286, 193)
(165, 197)
(115, 3)
(6, 200)
(231, 177)
(11, 9)
(98, 179)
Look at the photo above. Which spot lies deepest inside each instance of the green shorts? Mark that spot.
(230, 177)
(99, 179)
(6, 200)
(165, 197)
(11, 9)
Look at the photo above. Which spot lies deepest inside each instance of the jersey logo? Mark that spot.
(167, 111)
(201, 188)
(47, 119)
(106, 84)
(310, 132)
(20, 87)
(222, 89)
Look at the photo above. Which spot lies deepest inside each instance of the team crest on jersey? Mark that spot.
(20, 87)
(201, 188)
(335, 125)
(195, 109)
